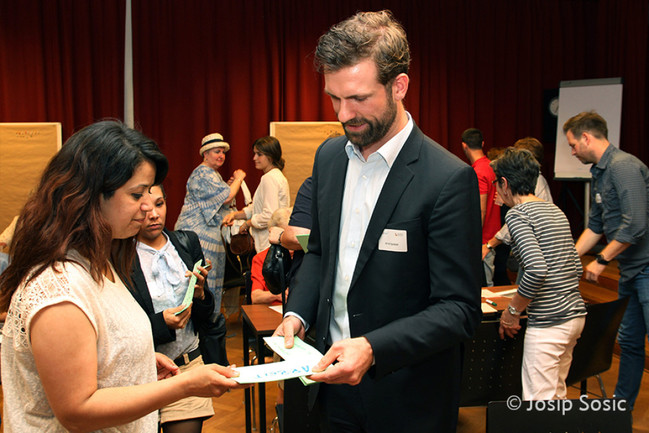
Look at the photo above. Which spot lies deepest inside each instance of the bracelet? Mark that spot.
(279, 238)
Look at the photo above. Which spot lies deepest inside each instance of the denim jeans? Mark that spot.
(632, 336)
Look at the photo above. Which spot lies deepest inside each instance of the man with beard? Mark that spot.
(620, 211)
(391, 280)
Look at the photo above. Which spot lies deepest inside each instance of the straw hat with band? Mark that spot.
(211, 141)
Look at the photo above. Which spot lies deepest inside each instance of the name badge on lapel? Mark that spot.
(394, 240)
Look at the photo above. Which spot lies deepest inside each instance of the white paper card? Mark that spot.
(298, 363)
(301, 352)
(487, 294)
(507, 293)
(394, 240)
(272, 371)
(488, 308)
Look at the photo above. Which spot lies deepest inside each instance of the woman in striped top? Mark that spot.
(543, 244)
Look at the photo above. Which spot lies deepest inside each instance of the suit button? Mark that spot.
(328, 301)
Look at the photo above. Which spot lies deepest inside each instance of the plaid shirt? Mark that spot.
(620, 207)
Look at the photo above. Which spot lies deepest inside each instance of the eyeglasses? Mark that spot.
(493, 182)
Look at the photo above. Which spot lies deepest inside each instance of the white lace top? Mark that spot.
(124, 345)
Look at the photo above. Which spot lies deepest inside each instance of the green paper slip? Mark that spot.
(304, 241)
(189, 295)
(301, 352)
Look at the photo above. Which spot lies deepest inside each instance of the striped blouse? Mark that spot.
(543, 244)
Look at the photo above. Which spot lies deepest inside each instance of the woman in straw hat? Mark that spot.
(206, 203)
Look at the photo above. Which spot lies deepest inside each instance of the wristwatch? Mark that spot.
(513, 311)
(489, 247)
(601, 260)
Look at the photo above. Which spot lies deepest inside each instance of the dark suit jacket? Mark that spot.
(415, 307)
(201, 310)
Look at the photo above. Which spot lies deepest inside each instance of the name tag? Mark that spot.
(394, 240)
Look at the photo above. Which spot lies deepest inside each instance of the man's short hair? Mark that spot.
(375, 35)
(587, 121)
(473, 138)
(533, 145)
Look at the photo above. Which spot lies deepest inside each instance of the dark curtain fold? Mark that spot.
(204, 66)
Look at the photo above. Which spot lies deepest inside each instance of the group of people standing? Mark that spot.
(389, 288)
(79, 353)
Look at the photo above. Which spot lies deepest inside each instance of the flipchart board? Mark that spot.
(25, 150)
(601, 95)
(299, 141)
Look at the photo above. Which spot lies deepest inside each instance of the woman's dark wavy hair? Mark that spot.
(64, 212)
(270, 147)
(520, 168)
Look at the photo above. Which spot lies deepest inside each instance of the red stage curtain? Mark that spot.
(61, 61)
(204, 66)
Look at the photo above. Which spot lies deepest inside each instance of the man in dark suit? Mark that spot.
(391, 280)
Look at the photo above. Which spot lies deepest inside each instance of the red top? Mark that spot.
(258, 282)
(486, 176)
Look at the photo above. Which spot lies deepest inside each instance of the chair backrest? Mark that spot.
(491, 367)
(594, 350)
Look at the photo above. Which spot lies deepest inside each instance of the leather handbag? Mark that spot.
(275, 269)
(241, 244)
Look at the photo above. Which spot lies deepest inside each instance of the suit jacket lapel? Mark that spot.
(398, 179)
(331, 202)
(141, 289)
(182, 252)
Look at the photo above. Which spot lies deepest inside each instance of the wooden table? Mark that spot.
(501, 301)
(259, 321)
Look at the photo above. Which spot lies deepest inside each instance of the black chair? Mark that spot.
(491, 367)
(594, 350)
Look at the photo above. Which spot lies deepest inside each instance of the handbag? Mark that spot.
(241, 244)
(275, 269)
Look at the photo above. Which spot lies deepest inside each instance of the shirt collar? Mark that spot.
(144, 247)
(390, 150)
(605, 159)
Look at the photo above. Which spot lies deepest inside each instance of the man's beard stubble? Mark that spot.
(376, 129)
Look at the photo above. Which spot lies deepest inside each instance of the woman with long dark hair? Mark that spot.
(271, 194)
(77, 352)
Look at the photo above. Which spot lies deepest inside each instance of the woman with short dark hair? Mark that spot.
(549, 290)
